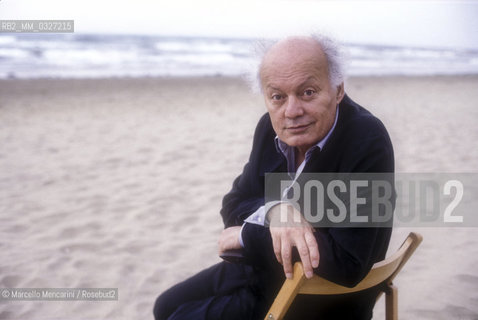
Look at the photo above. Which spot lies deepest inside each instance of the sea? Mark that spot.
(75, 55)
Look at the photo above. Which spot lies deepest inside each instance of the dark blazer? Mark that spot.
(359, 143)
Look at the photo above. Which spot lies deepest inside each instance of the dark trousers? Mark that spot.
(236, 291)
(223, 291)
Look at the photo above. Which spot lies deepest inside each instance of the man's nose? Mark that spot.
(293, 108)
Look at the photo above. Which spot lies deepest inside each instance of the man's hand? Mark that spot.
(229, 239)
(292, 230)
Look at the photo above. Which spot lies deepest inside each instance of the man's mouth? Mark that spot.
(298, 128)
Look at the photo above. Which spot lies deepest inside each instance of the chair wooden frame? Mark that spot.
(382, 272)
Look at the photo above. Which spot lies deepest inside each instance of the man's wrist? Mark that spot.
(267, 208)
(272, 205)
(284, 213)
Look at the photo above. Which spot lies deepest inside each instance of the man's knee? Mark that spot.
(161, 310)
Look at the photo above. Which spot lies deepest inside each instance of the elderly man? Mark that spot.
(311, 126)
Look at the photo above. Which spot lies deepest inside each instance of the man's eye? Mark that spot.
(276, 97)
(309, 92)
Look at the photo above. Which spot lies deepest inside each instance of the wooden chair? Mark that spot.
(382, 272)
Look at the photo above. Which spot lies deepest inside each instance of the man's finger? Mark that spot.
(305, 257)
(286, 257)
(276, 243)
(313, 249)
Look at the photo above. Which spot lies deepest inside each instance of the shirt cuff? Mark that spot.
(258, 217)
(240, 235)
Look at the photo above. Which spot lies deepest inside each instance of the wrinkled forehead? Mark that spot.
(293, 59)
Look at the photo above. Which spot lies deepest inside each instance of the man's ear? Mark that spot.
(340, 92)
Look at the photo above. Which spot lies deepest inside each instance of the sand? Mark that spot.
(117, 183)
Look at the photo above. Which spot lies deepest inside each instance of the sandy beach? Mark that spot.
(117, 183)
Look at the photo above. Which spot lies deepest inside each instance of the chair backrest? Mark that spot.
(382, 271)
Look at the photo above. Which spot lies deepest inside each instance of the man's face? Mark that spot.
(298, 94)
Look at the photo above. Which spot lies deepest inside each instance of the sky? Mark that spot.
(449, 24)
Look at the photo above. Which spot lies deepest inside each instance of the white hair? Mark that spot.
(334, 55)
(332, 51)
